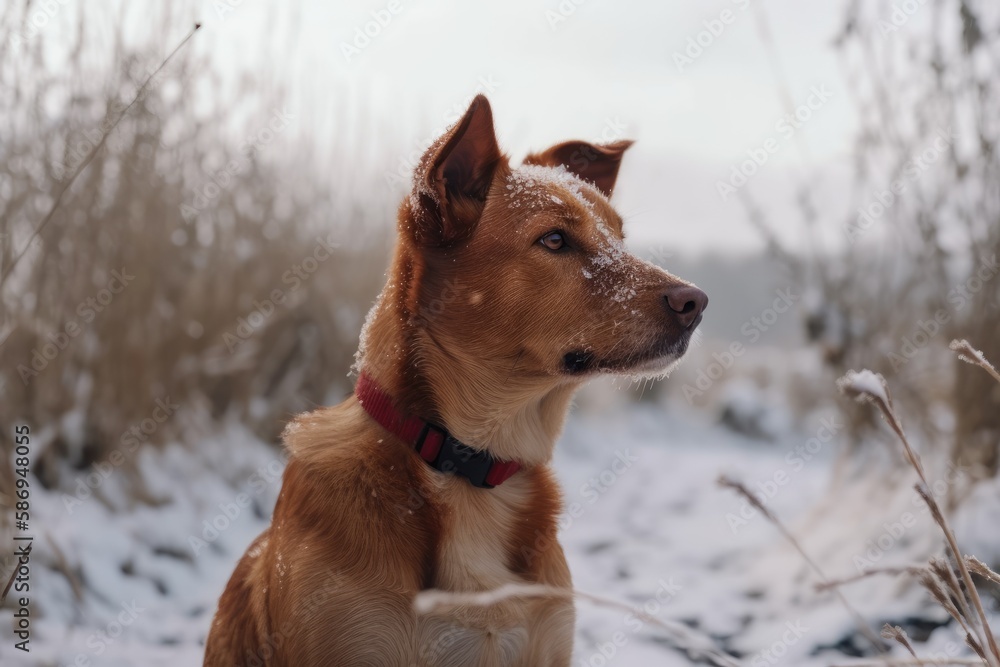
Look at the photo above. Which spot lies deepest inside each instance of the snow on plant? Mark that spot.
(971, 355)
(960, 599)
(949, 581)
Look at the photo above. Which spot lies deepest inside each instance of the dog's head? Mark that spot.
(510, 286)
(525, 268)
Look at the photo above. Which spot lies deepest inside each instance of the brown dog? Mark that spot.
(509, 288)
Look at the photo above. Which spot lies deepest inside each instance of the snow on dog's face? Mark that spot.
(527, 267)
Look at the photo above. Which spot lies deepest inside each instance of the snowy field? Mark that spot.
(648, 526)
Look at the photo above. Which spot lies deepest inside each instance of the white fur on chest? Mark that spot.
(476, 536)
(474, 556)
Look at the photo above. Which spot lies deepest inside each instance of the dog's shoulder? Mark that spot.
(341, 446)
(348, 484)
(326, 434)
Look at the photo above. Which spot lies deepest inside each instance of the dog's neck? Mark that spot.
(479, 402)
(512, 424)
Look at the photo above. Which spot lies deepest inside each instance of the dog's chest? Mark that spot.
(477, 537)
(474, 556)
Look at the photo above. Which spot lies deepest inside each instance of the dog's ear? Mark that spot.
(454, 176)
(596, 163)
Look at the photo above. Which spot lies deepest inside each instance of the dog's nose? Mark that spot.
(687, 302)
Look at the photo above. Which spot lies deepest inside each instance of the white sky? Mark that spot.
(606, 62)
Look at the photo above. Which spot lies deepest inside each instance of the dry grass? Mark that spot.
(948, 581)
(83, 358)
(915, 272)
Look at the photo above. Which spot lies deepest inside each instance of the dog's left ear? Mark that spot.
(597, 163)
(455, 174)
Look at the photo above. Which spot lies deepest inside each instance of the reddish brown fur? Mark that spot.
(476, 329)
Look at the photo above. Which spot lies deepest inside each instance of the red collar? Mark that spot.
(435, 445)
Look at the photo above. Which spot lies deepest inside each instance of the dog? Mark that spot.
(508, 289)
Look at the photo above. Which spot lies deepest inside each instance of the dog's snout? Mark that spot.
(687, 302)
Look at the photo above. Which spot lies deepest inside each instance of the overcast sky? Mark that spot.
(556, 70)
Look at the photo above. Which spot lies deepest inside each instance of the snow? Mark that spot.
(646, 525)
(359, 356)
(746, 409)
(531, 185)
(612, 268)
(865, 382)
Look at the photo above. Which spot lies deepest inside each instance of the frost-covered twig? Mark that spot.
(682, 637)
(980, 568)
(430, 600)
(897, 634)
(90, 156)
(915, 570)
(971, 355)
(868, 387)
(907, 662)
(864, 386)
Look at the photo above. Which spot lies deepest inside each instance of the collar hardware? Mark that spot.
(435, 445)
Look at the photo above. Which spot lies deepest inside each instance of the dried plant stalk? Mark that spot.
(728, 482)
(971, 355)
(868, 387)
(980, 568)
(906, 662)
(897, 633)
(90, 156)
(914, 570)
(683, 637)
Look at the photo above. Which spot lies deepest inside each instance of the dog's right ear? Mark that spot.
(454, 177)
(596, 163)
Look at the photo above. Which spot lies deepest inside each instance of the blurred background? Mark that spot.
(827, 172)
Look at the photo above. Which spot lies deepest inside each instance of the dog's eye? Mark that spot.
(553, 241)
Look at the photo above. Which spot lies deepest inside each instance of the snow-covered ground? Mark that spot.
(648, 527)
